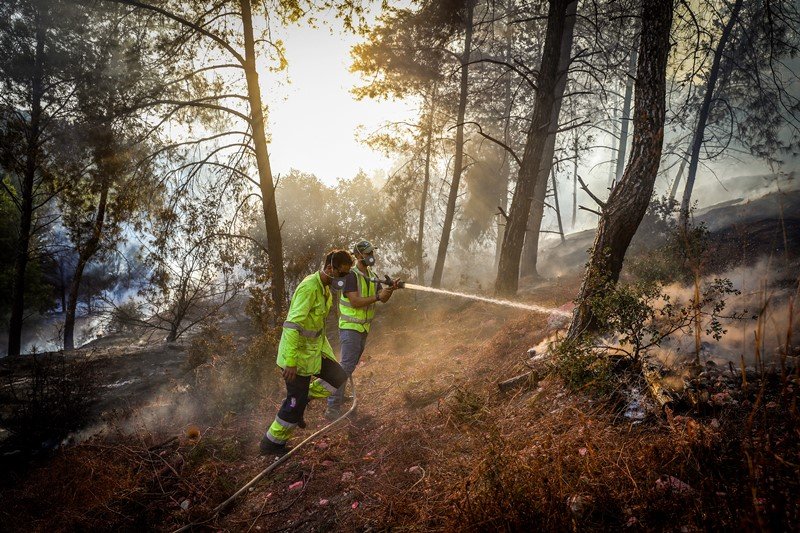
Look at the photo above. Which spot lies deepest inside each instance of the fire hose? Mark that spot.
(279, 461)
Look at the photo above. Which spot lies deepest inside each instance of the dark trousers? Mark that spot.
(331, 377)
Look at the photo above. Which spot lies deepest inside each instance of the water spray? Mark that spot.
(496, 301)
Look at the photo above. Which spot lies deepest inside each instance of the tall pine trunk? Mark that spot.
(531, 247)
(628, 201)
(505, 168)
(705, 109)
(26, 200)
(449, 214)
(85, 255)
(425, 186)
(273, 226)
(626, 119)
(542, 125)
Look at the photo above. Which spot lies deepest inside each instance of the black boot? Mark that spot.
(267, 447)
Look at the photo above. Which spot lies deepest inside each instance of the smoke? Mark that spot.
(485, 182)
(768, 320)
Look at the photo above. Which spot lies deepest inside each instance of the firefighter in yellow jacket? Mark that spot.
(361, 292)
(304, 351)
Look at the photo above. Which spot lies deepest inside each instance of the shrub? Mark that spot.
(50, 398)
(582, 366)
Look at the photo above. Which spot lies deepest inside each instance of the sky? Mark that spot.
(313, 119)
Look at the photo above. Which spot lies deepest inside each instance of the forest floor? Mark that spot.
(433, 446)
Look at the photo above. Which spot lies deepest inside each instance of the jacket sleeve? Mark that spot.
(298, 312)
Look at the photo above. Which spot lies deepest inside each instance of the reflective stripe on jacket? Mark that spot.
(359, 319)
(303, 341)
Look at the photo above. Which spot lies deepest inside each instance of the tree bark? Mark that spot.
(677, 181)
(628, 201)
(441, 255)
(425, 185)
(505, 169)
(575, 147)
(556, 204)
(26, 200)
(705, 108)
(530, 188)
(273, 226)
(85, 255)
(626, 119)
(531, 247)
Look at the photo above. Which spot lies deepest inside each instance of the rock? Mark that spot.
(579, 503)
(185, 504)
(673, 484)
(296, 485)
(323, 502)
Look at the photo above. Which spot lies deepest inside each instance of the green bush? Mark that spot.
(582, 366)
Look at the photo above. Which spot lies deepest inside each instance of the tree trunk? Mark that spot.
(705, 108)
(273, 226)
(575, 147)
(26, 201)
(626, 119)
(425, 185)
(677, 181)
(614, 144)
(529, 187)
(505, 169)
(438, 268)
(556, 204)
(628, 201)
(531, 249)
(85, 255)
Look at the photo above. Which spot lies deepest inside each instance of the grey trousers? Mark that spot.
(352, 343)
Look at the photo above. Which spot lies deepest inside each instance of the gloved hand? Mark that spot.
(385, 294)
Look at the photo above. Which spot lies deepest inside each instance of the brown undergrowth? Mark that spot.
(436, 447)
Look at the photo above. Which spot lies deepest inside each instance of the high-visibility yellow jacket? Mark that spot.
(303, 341)
(359, 319)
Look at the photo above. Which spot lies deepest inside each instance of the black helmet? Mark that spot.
(363, 247)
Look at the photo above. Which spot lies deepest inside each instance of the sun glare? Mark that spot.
(314, 120)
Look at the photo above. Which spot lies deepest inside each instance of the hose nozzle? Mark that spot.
(394, 282)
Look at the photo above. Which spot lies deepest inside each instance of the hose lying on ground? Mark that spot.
(224, 505)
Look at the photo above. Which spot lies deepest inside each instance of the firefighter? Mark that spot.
(304, 352)
(361, 292)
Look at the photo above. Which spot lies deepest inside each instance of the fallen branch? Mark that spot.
(531, 378)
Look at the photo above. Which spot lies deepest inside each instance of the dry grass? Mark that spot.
(465, 458)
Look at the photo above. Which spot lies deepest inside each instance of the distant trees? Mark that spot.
(117, 182)
(42, 46)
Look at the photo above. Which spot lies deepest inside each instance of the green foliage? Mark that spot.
(38, 292)
(318, 217)
(642, 315)
(582, 367)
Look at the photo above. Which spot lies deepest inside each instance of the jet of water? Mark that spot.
(507, 303)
